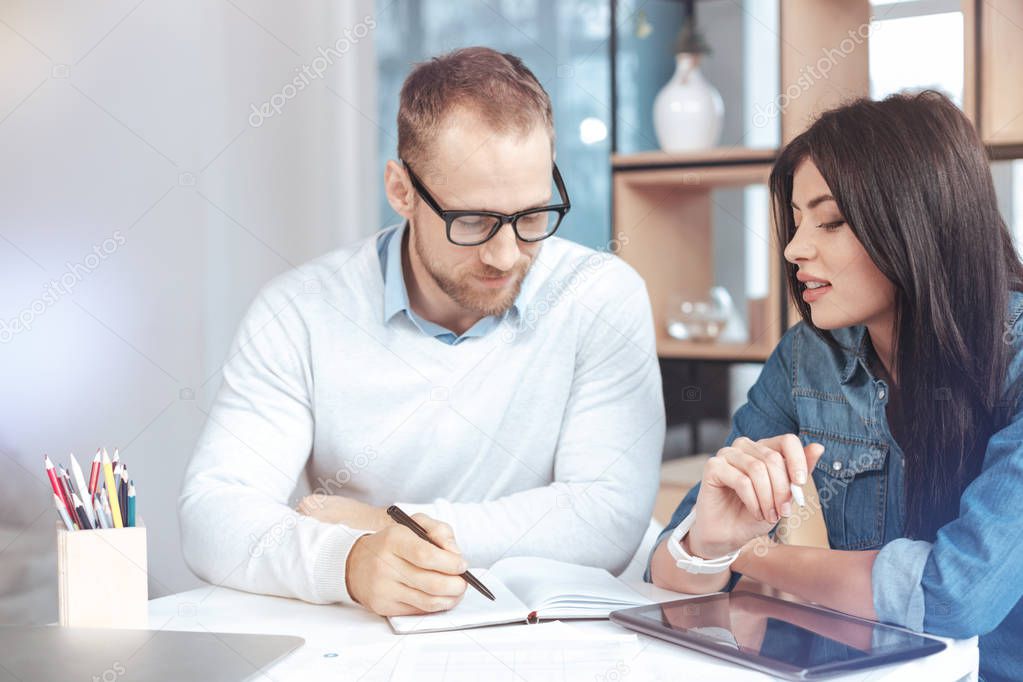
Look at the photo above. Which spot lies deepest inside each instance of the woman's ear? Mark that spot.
(400, 193)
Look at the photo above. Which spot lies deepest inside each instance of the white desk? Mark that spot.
(347, 643)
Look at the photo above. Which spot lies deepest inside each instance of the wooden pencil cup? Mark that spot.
(102, 578)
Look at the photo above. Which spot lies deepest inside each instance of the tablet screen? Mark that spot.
(784, 635)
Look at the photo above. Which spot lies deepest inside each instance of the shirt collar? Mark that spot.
(396, 293)
(856, 354)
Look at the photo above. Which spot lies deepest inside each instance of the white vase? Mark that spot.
(688, 110)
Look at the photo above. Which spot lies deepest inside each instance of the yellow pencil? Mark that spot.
(108, 476)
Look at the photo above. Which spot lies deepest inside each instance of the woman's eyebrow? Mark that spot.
(815, 202)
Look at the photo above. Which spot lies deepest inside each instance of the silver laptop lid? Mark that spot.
(55, 653)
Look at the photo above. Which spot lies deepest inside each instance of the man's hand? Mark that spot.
(393, 572)
(344, 510)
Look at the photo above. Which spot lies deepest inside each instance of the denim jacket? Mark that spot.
(969, 581)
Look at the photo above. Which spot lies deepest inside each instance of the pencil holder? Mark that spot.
(102, 578)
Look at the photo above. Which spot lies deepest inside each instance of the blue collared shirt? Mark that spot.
(969, 581)
(389, 247)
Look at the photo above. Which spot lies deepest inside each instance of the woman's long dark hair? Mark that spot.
(912, 181)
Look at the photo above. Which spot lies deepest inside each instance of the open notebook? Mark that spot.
(528, 589)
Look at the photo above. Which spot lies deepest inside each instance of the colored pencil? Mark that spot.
(94, 474)
(79, 481)
(58, 488)
(97, 504)
(108, 477)
(131, 504)
(83, 518)
(62, 512)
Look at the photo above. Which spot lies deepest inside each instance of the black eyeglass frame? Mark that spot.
(449, 217)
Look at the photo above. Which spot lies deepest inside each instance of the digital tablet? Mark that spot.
(781, 638)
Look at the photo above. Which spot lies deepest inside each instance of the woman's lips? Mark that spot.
(815, 294)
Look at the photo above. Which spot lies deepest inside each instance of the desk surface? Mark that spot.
(349, 643)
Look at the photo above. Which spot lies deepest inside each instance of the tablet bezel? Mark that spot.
(633, 619)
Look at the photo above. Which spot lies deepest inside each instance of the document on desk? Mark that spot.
(548, 652)
(529, 586)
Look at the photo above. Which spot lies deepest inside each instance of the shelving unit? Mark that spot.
(662, 204)
(998, 63)
(662, 213)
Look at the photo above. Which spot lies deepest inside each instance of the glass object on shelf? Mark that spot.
(700, 318)
(688, 110)
(743, 68)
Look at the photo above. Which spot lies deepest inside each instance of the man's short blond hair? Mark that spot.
(497, 87)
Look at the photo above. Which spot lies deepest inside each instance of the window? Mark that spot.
(564, 43)
(916, 45)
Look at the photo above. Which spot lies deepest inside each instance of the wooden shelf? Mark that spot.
(668, 347)
(1000, 63)
(663, 219)
(717, 156)
(664, 207)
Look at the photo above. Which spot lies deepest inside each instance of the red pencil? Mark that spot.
(94, 474)
(69, 488)
(58, 489)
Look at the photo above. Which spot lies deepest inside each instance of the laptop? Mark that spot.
(60, 653)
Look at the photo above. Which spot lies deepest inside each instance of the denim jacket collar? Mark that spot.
(857, 356)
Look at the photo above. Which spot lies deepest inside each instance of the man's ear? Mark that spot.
(400, 193)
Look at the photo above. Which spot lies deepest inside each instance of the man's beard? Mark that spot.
(460, 289)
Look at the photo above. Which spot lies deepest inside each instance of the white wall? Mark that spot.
(134, 175)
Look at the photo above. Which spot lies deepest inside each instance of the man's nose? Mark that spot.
(501, 251)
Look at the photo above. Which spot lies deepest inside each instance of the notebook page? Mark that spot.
(556, 589)
(474, 610)
(548, 652)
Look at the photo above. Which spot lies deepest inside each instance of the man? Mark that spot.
(500, 384)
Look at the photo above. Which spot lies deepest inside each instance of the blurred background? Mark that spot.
(162, 160)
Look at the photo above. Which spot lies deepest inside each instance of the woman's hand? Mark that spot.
(745, 491)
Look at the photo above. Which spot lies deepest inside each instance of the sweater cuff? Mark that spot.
(896, 579)
(331, 561)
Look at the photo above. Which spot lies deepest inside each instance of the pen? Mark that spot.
(62, 513)
(797, 495)
(108, 476)
(405, 520)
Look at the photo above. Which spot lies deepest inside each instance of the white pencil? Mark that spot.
(76, 472)
(97, 503)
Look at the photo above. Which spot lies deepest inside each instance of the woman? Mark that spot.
(898, 393)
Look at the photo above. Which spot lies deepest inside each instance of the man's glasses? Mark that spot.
(472, 228)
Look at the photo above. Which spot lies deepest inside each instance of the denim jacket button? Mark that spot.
(836, 465)
(880, 394)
